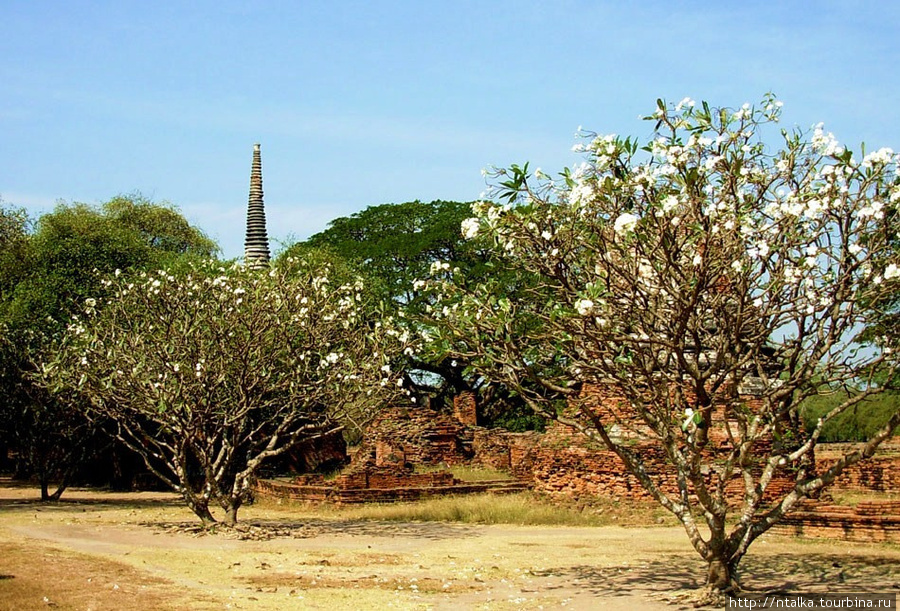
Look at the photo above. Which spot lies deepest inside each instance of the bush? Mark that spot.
(857, 423)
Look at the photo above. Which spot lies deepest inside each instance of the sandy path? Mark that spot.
(334, 564)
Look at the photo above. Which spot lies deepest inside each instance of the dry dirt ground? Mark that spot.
(108, 551)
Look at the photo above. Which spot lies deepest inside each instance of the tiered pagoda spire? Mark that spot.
(256, 244)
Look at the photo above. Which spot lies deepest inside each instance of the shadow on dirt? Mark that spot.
(96, 500)
(771, 574)
(312, 527)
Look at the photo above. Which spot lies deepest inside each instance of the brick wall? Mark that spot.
(565, 462)
(465, 408)
(869, 521)
(418, 436)
(879, 473)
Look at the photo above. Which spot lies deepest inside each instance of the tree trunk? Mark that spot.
(721, 576)
(231, 512)
(200, 507)
(46, 495)
(56, 494)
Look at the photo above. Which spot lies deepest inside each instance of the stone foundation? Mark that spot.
(869, 521)
(414, 436)
(380, 485)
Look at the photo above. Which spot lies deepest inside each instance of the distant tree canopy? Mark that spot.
(397, 243)
(859, 423)
(13, 225)
(72, 248)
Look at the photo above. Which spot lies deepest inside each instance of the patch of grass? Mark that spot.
(852, 498)
(524, 508)
(469, 473)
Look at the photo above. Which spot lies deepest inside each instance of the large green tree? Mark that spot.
(76, 245)
(398, 243)
(46, 273)
(209, 372)
(395, 246)
(679, 274)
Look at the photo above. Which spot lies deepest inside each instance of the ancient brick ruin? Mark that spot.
(402, 441)
(868, 521)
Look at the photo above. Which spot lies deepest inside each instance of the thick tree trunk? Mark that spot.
(231, 512)
(200, 507)
(721, 576)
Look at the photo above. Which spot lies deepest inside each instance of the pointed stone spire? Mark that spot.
(256, 244)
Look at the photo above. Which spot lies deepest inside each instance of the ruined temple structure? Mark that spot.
(404, 449)
(256, 244)
(402, 455)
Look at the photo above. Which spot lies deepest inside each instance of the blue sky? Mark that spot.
(362, 103)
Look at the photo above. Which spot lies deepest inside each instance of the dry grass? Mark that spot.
(852, 498)
(524, 509)
(37, 577)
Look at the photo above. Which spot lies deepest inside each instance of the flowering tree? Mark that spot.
(678, 275)
(208, 372)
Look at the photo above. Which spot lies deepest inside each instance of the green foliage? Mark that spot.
(160, 226)
(397, 245)
(76, 245)
(14, 227)
(858, 423)
(14, 224)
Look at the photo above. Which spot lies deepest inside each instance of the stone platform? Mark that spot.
(379, 486)
(868, 521)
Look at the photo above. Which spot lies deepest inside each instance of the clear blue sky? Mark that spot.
(362, 103)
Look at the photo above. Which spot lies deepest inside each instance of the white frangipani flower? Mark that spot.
(470, 228)
(625, 223)
(584, 306)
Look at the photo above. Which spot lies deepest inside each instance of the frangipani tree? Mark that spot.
(678, 273)
(209, 371)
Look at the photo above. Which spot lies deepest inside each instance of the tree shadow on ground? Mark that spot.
(76, 502)
(763, 573)
(313, 527)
